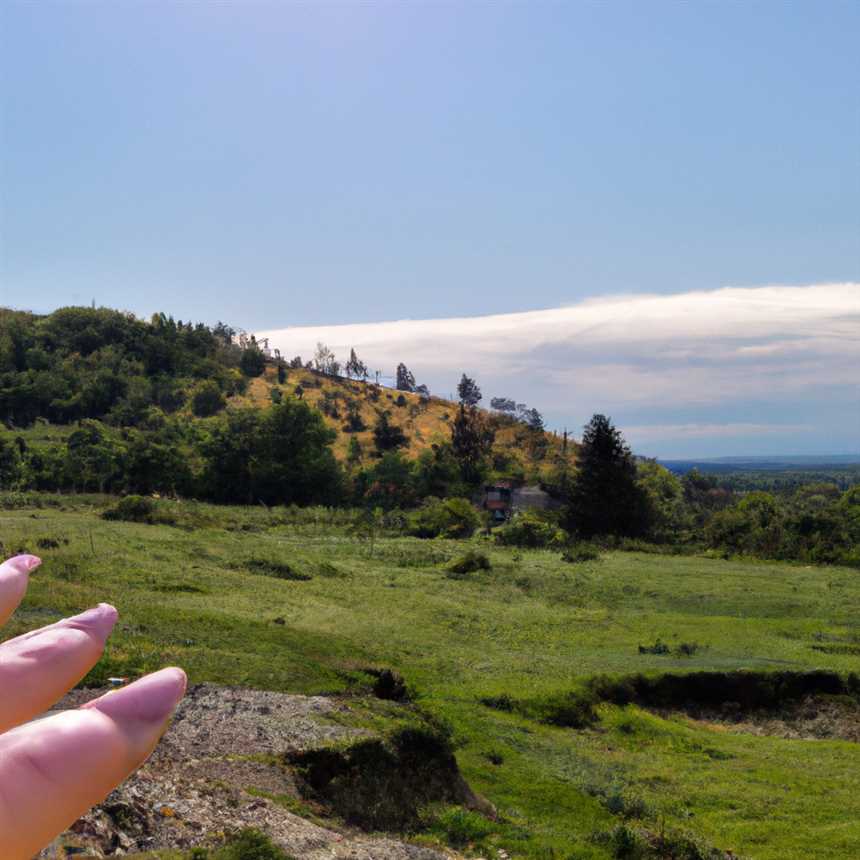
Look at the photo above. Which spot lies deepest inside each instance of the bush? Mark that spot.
(469, 563)
(208, 400)
(250, 844)
(276, 569)
(531, 531)
(580, 552)
(460, 827)
(450, 518)
(132, 509)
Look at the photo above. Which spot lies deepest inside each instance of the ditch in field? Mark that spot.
(802, 705)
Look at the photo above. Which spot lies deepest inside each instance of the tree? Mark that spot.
(468, 391)
(208, 400)
(667, 516)
(252, 362)
(355, 367)
(354, 421)
(354, 452)
(297, 363)
(282, 373)
(472, 440)
(437, 473)
(280, 456)
(389, 483)
(324, 361)
(405, 378)
(11, 466)
(604, 497)
(531, 418)
(504, 404)
(92, 456)
(388, 436)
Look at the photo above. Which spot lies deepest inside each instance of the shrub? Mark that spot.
(276, 569)
(207, 400)
(469, 563)
(450, 518)
(502, 702)
(531, 531)
(384, 783)
(389, 685)
(460, 827)
(132, 509)
(250, 844)
(659, 647)
(580, 552)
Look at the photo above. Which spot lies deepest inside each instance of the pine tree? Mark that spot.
(468, 391)
(604, 497)
(405, 378)
(355, 367)
(471, 440)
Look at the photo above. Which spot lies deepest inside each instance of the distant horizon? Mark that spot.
(740, 371)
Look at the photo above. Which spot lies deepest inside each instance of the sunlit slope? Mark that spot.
(424, 422)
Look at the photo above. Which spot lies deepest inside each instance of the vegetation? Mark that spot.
(556, 716)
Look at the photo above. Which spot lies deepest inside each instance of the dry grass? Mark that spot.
(425, 424)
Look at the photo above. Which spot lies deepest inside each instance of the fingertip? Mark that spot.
(151, 700)
(24, 563)
(99, 620)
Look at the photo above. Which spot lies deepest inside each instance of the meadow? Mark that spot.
(294, 601)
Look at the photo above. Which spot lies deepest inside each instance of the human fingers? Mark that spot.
(53, 770)
(40, 666)
(14, 575)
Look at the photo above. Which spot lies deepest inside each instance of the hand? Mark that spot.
(53, 770)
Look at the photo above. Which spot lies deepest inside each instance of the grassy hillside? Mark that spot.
(495, 653)
(423, 422)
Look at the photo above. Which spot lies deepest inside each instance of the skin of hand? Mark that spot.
(54, 769)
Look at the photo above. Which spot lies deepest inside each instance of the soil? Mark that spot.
(224, 743)
(812, 718)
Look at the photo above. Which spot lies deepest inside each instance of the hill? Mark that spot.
(79, 363)
(517, 452)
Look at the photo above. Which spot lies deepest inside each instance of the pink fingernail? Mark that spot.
(99, 620)
(23, 563)
(149, 700)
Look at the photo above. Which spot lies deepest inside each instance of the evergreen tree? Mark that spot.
(355, 367)
(472, 441)
(388, 436)
(468, 391)
(604, 497)
(405, 378)
(354, 452)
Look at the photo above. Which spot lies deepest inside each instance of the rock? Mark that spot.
(222, 742)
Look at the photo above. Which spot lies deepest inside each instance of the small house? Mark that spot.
(498, 501)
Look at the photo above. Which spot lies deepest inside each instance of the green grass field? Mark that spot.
(531, 627)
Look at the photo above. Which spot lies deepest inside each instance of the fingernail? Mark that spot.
(23, 563)
(99, 620)
(149, 700)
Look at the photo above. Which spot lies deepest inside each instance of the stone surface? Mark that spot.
(223, 746)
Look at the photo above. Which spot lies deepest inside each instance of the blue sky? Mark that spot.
(279, 165)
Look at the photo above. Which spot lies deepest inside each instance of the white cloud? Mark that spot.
(672, 432)
(699, 350)
(722, 334)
